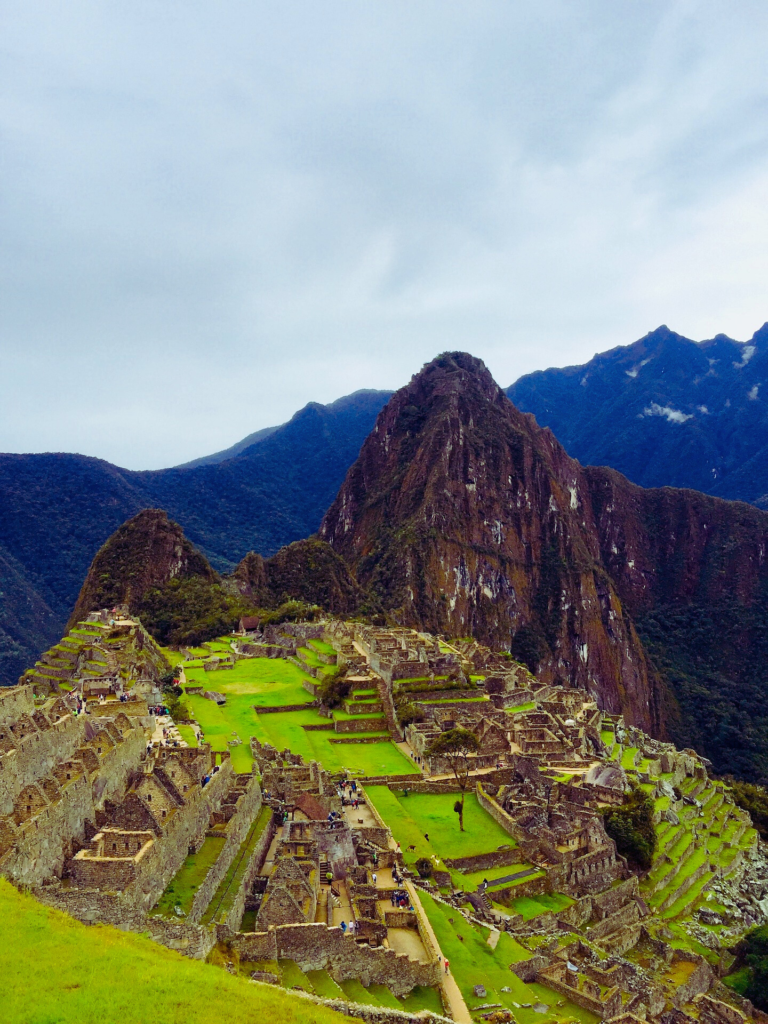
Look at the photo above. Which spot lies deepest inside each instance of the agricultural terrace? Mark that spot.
(479, 956)
(100, 975)
(275, 682)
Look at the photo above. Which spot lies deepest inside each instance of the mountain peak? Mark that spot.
(146, 552)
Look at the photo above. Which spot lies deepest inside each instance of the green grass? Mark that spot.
(187, 880)
(529, 706)
(324, 985)
(100, 975)
(432, 813)
(272, 681)
(421, 998)
(293, 976)
(322, 646)
(739, 980)
(472, 961)
(284, 729)
(532, 906)
(628, 757)
(188, 735)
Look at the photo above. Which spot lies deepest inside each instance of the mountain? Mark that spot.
(150, 567)
(465, 517)
(56, 510)
(665, 411)
(229, 453)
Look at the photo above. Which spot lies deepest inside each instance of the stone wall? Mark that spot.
(316, 947)
(43, 842)
(36, 754)
(248, 807)
(378, 724)
(485, 861)
(234, 917)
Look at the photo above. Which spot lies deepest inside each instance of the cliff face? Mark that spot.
(465, 517)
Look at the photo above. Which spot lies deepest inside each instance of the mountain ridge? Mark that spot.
(664, 411)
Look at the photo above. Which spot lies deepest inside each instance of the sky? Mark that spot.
(214, 213)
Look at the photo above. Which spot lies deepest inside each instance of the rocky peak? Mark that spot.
(146, 552)
(465, 517)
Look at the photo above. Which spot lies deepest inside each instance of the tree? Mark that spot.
(455, 746)
(631, 828)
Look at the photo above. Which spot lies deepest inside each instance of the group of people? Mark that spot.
(335, 819)
(400, 899)
(348, 793)
(349, 929)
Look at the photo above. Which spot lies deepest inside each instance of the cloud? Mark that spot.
(672, 415)
(214, 213)
(752, 393)
(746, 354)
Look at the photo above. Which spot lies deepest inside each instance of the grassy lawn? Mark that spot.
(474, 962)
(272, 681)
(411, 816)
(263, 681)
(183, 887)
(532, 906)
(100, 975)
(188, 735)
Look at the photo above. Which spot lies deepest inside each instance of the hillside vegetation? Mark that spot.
(55, 969)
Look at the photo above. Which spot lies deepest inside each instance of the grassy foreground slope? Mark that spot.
(58, 971)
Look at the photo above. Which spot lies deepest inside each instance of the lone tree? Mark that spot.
(455, 746)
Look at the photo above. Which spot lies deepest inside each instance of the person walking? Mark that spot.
(446, 966)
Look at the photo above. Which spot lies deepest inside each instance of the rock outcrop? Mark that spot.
(145, 553)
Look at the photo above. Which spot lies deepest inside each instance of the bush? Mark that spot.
(755, 951)
(631, 828)
(424, 867)
(753, 799)
(408, 712)
(334, 689)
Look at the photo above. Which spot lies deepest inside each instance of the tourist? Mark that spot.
(375, 879)
(343, 927)
(446, 966)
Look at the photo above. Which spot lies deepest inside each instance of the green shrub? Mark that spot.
(754, 949)
(424, 867)
(334, 689)
(631, 828)
(753, 799)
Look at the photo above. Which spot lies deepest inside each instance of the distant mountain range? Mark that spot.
(665, 411)
(56, 510)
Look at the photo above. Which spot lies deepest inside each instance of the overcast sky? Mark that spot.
(213, 213)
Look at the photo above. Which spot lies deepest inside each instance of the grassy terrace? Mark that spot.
(100, 975)
(472, 961)
(184, 885)
(411, 817)
(261, 682)
(322, 984)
